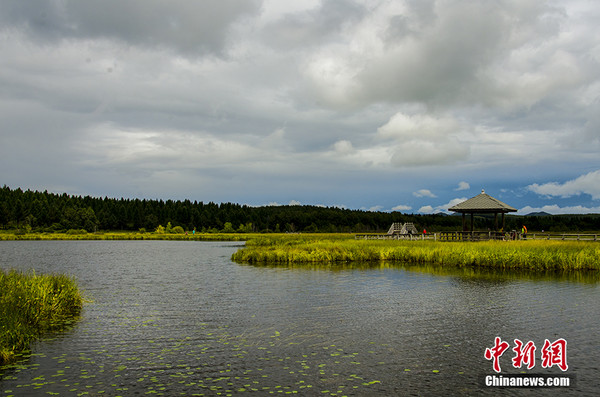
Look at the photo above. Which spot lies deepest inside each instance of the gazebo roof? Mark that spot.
(482, 203)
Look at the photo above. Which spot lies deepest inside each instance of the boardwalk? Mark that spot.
(396, 236)
(480, 236)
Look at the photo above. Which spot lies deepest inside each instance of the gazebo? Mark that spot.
(482, 204)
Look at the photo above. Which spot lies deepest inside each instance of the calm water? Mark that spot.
(179, 318)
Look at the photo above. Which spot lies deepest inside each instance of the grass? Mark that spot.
(126, 236)
(31, 305)
(530, 255)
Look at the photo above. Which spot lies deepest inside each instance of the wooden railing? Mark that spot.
(489, 235)
(481, 236)
(395, 236)
(563, 236)
(471, 236)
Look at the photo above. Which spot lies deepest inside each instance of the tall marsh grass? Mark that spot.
(31, 305)
(534, 255)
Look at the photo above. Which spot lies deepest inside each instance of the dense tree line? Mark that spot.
(43, 211)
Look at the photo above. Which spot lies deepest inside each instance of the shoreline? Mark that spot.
(7, 236)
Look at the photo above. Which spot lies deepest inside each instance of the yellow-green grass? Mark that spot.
(31, 305)
(539, 255)
(127, 236)
(130, 235)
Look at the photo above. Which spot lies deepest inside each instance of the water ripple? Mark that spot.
(172, 318)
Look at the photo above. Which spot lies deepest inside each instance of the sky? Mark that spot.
(383, 105)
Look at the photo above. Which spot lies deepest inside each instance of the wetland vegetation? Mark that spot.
(31, 305)
(334, 249)
(124, 235)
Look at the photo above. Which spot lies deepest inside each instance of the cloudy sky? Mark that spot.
(365, 104)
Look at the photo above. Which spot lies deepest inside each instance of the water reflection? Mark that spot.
(467, 273)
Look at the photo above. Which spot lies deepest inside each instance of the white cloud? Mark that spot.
(417, 126)
(402, 207)
(452, 203)
(424, 193)
(420, 140)
(340, 206)
(585, 184)
(343, 147)
(426, 209)
(463, 186)
(554, 209)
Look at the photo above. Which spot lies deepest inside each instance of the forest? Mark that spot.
(34, 211)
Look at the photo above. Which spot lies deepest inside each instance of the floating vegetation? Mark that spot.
(533, 255)
(31, 305)
(213, 362)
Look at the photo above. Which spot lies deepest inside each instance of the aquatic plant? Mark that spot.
(539, 255)
(32, 304)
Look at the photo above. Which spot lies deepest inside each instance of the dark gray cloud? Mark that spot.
(188, 26)
(443, 56)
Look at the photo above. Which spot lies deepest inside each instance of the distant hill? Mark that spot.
(541, 213)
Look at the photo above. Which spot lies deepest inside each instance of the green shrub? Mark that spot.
(76, 231)
(177, 230)
(228, 228)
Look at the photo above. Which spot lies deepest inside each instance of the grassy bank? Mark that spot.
(31, 305)
(536, 255)
(9, 236)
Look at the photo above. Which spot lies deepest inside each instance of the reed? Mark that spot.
(31, 305)
(536, 255)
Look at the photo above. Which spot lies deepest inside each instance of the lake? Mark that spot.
(180, 318)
